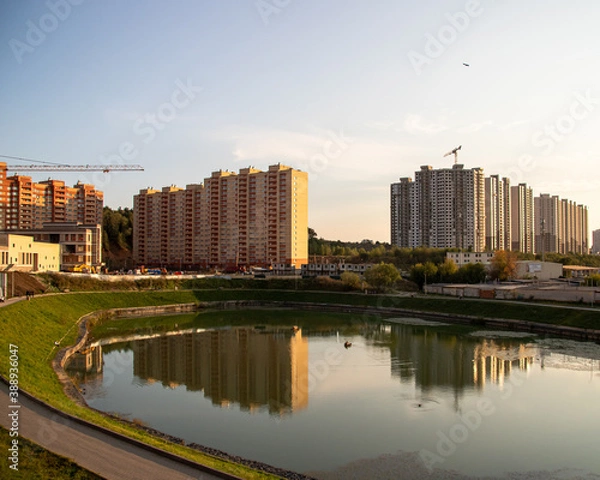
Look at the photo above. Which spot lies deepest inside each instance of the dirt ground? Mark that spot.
(24, 283)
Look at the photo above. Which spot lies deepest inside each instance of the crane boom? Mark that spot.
(42, 166)
(75, 168)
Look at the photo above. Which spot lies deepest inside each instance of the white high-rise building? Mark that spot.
(522, 219)
(497, 214)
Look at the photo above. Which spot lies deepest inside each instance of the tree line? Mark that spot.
(117, 237)
(369, 251)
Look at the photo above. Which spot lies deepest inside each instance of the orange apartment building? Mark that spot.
(25, 204)
(234, 220)
(54, 212)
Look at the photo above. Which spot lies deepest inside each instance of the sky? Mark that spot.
(357, 93)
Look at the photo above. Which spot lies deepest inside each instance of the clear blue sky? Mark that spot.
(354, 92)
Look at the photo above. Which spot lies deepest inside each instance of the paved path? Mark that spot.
(99, 452)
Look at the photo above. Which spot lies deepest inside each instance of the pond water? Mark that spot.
(407, 398)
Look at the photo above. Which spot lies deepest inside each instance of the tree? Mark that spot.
(382, 275)
(117, 236)
(447, 270)
(471, 273)
(503, 265)
(351, 280)
(423, 273)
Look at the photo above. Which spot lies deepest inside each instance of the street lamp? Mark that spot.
(542, 225)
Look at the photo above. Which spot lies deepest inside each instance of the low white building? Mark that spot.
(531, 269)
(79, 244)
(463, 258)
(22, 253)
(314, 269)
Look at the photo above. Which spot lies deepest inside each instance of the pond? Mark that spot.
(407, 399)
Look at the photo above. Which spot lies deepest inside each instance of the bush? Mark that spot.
(351, 280)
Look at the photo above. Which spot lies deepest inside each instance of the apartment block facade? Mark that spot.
(522, 219)
(442, 208)
(596, 242)
(250, 218)
(25, 204)
(403, 230)
(561, 225)
(497, 214)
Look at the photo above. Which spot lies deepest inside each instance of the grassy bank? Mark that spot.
(35, 325)
(478, 308)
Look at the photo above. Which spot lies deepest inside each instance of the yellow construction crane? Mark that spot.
(41, 166)
(455, 153)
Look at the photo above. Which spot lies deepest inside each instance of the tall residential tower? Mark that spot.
(560, 225)
(497, 214)
(231, 220)
(442, 208)
(522, 219)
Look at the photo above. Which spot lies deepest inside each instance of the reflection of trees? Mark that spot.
(432, 358)
(239, 365)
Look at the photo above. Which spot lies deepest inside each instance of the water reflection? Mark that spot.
(259, 368)
(393, 390)
(86, 363)
(433, 359)
(243, 366)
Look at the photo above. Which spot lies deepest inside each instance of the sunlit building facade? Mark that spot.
(522, 219)
(497, 214)
(25, 204)
(561, 225)
(233, 219)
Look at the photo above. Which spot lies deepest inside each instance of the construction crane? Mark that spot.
(41, 166)
(455, 153)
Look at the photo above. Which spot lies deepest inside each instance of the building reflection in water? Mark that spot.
(243, 366)
(495, 361)
(86, 363)
(435, 359)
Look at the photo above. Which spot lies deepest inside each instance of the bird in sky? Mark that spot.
(466, 64)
